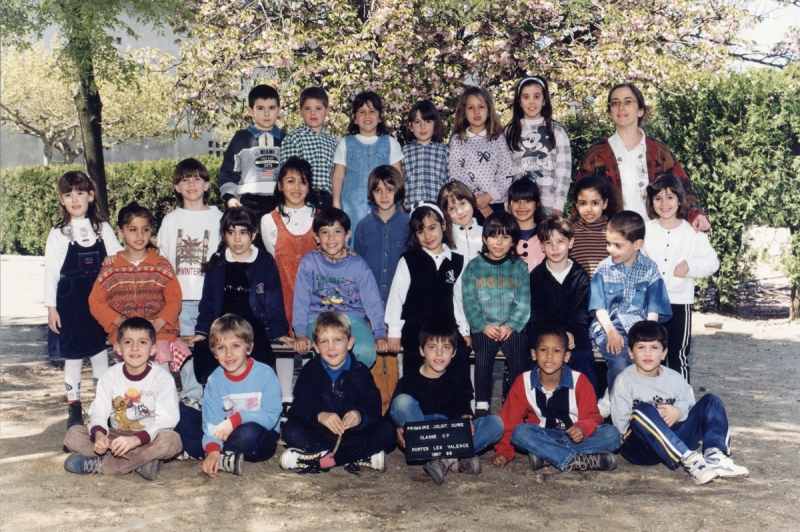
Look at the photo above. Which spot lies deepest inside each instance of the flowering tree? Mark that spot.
(38, 102)
(408, 50)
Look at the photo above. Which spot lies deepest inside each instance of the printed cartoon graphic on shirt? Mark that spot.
(190, 253)
(657, 400)
(241, 402)
(333, 292)
(128, 409)
(450, 277)
(535, 161)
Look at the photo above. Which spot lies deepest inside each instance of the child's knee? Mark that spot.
(644, 410)
(493, 427)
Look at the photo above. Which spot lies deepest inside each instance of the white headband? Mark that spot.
(431, 205)
(535, 79)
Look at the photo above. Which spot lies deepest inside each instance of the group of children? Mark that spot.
(455, 249)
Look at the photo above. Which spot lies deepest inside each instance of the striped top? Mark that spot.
(150, 290)
(589, 248)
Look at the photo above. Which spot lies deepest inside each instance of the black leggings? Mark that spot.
(679, 339)
(518, 358)
(355, 445)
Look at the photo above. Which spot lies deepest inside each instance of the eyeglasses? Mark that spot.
(627, 102)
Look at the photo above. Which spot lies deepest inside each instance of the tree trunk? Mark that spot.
(48, 153)
(90, 110)
(794, 304)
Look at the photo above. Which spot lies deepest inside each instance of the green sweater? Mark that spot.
(496, 293)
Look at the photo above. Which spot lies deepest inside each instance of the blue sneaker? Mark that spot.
(83, 465)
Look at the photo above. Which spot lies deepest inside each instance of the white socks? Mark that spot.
(72, 373)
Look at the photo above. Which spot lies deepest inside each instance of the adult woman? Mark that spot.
(630, 160)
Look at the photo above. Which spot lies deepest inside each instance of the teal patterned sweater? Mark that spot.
(496, 292)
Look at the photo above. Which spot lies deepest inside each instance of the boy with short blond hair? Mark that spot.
(433, 393)
(311, 143)
(336, 416)
(560, 295)
(241, 414)
(551, 413)
(626, 288)
(188, 236)
(139, 401)
(655, 409)
(249, 172)
(334, 278)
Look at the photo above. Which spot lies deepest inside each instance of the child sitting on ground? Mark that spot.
(560, 295)
(139, 401)
(336, 416)
(241, 413)
(551, 413)
(332, 277)
(433, 392)
(627, 287)
(654, 408)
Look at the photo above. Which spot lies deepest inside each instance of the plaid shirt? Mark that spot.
(425, 170)
(628, 297)
(317, 149)
(550, 169)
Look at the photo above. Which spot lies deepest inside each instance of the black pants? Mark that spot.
(205, 362)
(355, 445)
(256, 442)
(518, 358)
(679, 339)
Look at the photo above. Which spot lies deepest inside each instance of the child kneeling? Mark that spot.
(434, 393)
(241, 408)
(654, 407)
(336, 416)
(140, 401)
(563, 427)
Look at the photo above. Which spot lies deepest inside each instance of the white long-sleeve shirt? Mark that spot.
(399, 290)
(55, 252)
(298, 223)
(669, 247)
(187, 239)
(468, 241)
(146, 403)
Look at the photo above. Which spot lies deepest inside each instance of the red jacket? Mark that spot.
(576, 405)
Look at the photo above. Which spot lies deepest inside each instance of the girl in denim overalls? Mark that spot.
(74, 253)
(366, 146)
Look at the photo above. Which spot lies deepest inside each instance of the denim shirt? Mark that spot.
(362, 159)
(628, 296)
(381, 244)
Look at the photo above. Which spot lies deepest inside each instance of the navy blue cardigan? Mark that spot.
(354, 389)
(266, 295)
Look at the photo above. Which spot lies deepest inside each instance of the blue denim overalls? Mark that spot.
(81, 336)
(361, 161)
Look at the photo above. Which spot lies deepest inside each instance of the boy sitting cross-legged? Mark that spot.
(242, 407)
(654, 407)
(140, 402)
(336, 416)
(563, 427)
(432, 393)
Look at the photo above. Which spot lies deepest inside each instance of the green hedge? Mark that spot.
(29, 206)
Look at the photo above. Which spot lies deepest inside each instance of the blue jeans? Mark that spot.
(488, 429)
(188, 319)
(554, 446)
(615, 363)
(651, 441)
(582, 359)
(364, 347)
(256, 442)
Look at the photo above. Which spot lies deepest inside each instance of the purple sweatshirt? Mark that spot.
(347, 287)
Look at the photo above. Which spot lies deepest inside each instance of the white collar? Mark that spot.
(446, 253)
(250, 259)
(470, 134)
(617, 142)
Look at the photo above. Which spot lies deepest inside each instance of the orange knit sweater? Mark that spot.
(150, 290)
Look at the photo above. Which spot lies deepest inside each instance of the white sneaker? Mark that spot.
(699, 470)
(604, 405)
(290, 459)
(377, 462)
(724, 465)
